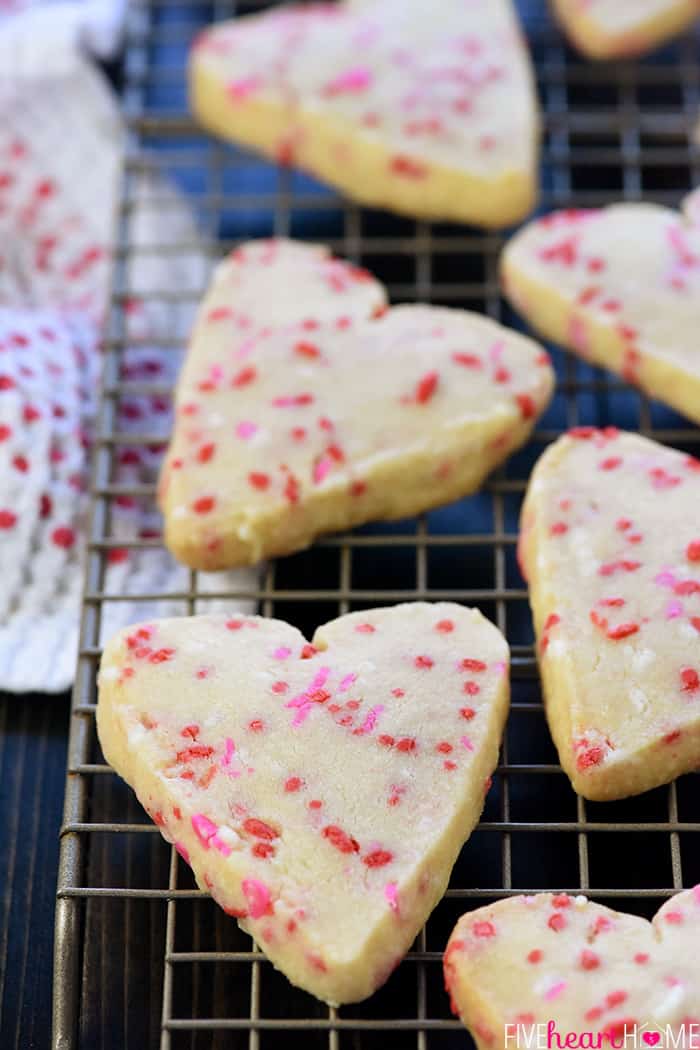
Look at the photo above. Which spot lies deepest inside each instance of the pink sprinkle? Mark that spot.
(665, 579)
(245, 349)
(183, 851)
(674, 609)
(282, 653)
(578, 335)
(245, 430)
(228, 753)
(322, 469)
(352, 81)
(496, 351)
(240, 89)
(371, 719)
(303, 710)
(346, 682)
(320, 678)
(303, 702)
(555, 991)
(204, 829)
(392, 896)
(258, 896)
(292, 400)
(466, 742)
(696, 894)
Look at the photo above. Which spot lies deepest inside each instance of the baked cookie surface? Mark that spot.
(321, 792)
(531, 961)
(620, 286)
(317, 409)
(610, 546)
(623, 28)
(430, 115)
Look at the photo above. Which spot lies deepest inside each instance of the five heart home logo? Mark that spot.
(620, 1036)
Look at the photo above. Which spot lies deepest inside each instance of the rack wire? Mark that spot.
(145, 959)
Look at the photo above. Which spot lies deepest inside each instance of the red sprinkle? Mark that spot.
(693, 551)
(204, 505)
(426, 387)
(259, 481)
(292, 784)
(484, 929)
(623, 630)
(244, 377)
(473, 665)
(409, 168)
(527, 406)
(690, 680)
(260, 829)
(378, 858)
(592, 756)
(338, 838)
(206, 452)
(589, 960)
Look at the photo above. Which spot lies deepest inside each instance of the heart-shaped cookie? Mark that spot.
(321, 792)
(620, 286)
(554, 965)
(430, 116)
(622, 28)
(610, 546)
(298, 415)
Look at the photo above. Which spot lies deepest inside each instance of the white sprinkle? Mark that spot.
(668, 1008)
(639, 658)
(229, 837)
(639, 698)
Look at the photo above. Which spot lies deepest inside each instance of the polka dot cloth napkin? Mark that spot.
(58, 197)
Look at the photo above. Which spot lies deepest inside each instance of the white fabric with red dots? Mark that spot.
(610, 546)
(41, 28)
(320, 791)
(555, 959)
(57, 208)
(620, 286)
(434, 117)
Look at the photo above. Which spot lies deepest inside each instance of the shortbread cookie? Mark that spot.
(286, 431)
(610, 546)
(321, 792)
(619, 286)
(432, 116)
(622, 28)
(554, 959)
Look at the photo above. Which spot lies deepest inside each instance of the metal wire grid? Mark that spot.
(143, 958)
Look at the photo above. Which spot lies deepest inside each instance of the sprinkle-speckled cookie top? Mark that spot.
(610, 545)
(321, 409)
(320, 791)
(428, 115)
(530, 961)
(617, 28)
(620, 286)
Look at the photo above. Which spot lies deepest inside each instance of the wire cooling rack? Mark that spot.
(143, 958)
